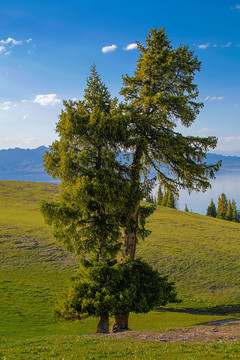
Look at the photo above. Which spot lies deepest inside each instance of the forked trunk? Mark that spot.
(103, 325)
(121, 323)
(129, 248)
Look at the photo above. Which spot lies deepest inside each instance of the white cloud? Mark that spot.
(48, 99)
(11, 41)
(212, 98)
(206, 130)
(25, 117)
(227, 45)
(107, 49)
(5, 105)
(132, 46)
(24, 100)
(229, 138)
(204, 46)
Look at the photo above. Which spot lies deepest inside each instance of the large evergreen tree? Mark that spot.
(160, 94)
(90, 212)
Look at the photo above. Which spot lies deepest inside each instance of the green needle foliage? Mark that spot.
(235, 212)
(160, 94)
(114, 288)
(229, 213)
(90, 211)
(222, 206)
(211, 210)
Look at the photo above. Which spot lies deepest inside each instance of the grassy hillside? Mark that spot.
(200, 254)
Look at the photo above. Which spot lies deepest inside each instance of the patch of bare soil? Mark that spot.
(229, 331)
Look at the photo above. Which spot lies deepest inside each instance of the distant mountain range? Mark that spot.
(26, 164)
(23, 165)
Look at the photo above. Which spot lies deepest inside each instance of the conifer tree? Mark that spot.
(229, 213)
(171, 202)
(160, 94)
(186, 208)
(235, 212)
(222, 206)
(211, 210)
(91, 211)
(150, 198)
(164, 198)
(159, 195)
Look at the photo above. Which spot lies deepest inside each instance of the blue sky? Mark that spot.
(48, 47)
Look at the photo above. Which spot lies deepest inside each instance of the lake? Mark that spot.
(227, 182)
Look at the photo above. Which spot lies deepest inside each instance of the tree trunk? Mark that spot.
(129, 248)
(121, 323)
(131, 237)
(103, 325)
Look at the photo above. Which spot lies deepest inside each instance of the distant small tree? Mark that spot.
(211, 210)
(171, 201)
(150, 198)
(186, 208)
(164, 198)
(222, 206)
(235, 212)
(229, 214)
(159, 195)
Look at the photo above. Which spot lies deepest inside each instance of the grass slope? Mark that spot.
(200, 254)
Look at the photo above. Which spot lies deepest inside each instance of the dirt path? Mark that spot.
(216, 332)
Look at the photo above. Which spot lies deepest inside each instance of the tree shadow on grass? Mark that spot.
(212, 310)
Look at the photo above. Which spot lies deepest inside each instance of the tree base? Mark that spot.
(103, 325)
(120, 324)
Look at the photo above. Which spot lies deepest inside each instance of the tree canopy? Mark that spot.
(90, 212)
(158, 96)
(102, 288)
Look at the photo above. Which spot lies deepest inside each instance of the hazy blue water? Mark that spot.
(226, 182)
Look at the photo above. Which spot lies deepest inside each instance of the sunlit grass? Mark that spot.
(96, 348)
(200, 254)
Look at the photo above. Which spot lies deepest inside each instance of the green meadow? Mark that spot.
(200, 254)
